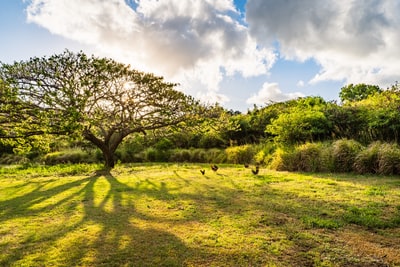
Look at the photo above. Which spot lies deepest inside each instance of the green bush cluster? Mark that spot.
(339, 156)
(344, 155)
(240, 154)
(9, 159)
(309, 157)
(70, 156)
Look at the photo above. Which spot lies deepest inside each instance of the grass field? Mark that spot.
(172, 215)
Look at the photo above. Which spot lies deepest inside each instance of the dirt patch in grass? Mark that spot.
(384, 247)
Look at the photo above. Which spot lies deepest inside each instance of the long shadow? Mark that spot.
(21, 206)
(119, 240)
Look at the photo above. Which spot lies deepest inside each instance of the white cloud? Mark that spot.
(190, 42)
(271, 92)
(300, 83)
(353, 41)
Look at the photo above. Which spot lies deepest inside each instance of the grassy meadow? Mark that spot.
(172, 215)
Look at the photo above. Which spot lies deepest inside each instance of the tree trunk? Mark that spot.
(109, 161)
(107, 146)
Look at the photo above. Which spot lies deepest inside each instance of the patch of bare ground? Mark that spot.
(379, 248)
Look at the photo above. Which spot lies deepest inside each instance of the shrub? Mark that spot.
(389, 159)
(240, 154)
(68, 156)
(367, 160)
(283, 160)
(211, 140)
(164, 144)
(198, 155)
(308, 157)
(216, 155)
(344, 153)
(264, 153)
(152, 154)
(180, 155)
(9, 159)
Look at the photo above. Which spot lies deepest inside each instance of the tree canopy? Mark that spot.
(357, 92)
(98, 99)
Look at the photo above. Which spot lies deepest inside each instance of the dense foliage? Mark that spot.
(98, 99)
(116, 113)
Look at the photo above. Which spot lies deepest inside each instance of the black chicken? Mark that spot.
(256, 170)
(203, 171)
(214, 167)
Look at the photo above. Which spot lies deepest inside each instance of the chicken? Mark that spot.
(256, 170)
(214, 167)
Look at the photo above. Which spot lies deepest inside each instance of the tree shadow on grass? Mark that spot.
(120, 242)
(101, 224)
(101, 234)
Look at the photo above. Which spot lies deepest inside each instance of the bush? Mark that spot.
(211, 140)
(344, 153)
(389, 159)
(69, 156)
(152, 154)
(264, 153)
(180, 155)
(284, 160)
(216, 155)
(9, 159)
(309, 157)
(367, 160)
(198, 155)
(240, 154)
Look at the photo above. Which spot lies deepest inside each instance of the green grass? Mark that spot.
(171, 215)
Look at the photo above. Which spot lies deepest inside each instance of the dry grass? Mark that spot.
(172, 215)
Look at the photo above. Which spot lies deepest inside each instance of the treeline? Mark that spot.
(359, 134)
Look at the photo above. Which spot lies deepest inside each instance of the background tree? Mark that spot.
(357, 92)
(98, 99)
(303, 120)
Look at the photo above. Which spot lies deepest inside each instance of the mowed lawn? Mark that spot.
(172, 215)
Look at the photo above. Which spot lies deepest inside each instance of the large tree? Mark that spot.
(99, 99)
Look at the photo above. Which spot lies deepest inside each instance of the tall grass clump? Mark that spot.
(72, 155)
(389, 159)
(216, 155)
(180, 155)
(367, 159)
(284, 159)
(264, 153)
(344, 153)
(307, 157)
(194, 155)
(240, 154)
(152, 154)
(8, 159)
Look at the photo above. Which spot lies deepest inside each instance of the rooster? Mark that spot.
(214, 167)
(256, 170)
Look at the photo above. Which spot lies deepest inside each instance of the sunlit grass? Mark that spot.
(172, 215)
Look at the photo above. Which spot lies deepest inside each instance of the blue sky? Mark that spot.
(238, 53)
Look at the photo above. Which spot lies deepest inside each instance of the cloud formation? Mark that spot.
(199, 43)
(353, 41)
(195, 43)
(271, 92)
